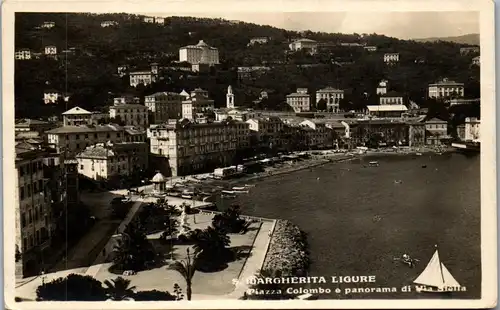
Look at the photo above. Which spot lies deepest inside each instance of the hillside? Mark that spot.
(469, 39)
(90, 75)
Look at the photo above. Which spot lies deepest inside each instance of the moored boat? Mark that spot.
(373, 164)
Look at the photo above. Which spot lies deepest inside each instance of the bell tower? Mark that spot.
(230, 98)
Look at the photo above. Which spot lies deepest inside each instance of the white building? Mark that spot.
(126, 99)
(391, 97)
(50, 50)
(317, 134)
(196, 107)
(148, 19)
(308, 45)
(230, 98)
(23, 54)
(446, 89)
(237, 114)
(201, 53)
(382, 87)
(141, 77)
(159, 20)
(76, 117)
(331, 96)
(108, 23)
(191, 147)
(122, 70)
(370, 48)
(48, 25)
(476, 61)
(164, 106)
(108, 161)
(258, 40)
(300, 101)
(472, 129)
(267, 130)
(391, 57)
(51, 96)
(388, 110)
(460, 101)
(130, 114)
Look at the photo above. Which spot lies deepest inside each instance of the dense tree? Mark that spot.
(153, 295)
(74, 287)
(133, 251)
(211, 249)
(230, 221)
(119, 289)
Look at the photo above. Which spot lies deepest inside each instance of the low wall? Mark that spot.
(287, 250)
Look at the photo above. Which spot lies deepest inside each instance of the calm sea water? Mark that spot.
(358, 219)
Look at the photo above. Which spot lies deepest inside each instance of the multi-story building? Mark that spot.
(141, 77)
(267, 131)
(446, 89)
(50, 50)
(149, 19)
(112, 162)
(332, 98)
(436, 131)
(416, 133)
(388, 110)
(237, 114)
(258, 40)
(164, 106)
(252, 73)
(391, 97)
(308, 45)
(382, 87)
(73, 139)
(32, 210)
(130, 114)
(318, 135)
(76, 117)
(159, 20)
(469, 50)
(189, 147)
(196, 107)
(201, 53)
(51, 96)
(26, 124)
(472, 129)
(22, 54)
(390, 58)
(300, 101)
(390, 132)
(476, 61)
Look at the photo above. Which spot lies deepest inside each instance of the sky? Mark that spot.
(403, 25)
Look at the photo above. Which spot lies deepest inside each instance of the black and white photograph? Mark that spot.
(220, 158)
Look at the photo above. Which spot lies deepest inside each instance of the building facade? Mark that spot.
(230, 98)
(390, 58)
(192, 147)
(388, 110)
(476, 61)
(130, 114)
(112, 161)
(472, 129)
(164, 106)
(22, 54)
(258, 40)
(142, 77)
(71, 140)
(32, 210)
(199, 53)
(469, 50)
(267, 131)
(382, 87)
(307, 45)
(391, 97)
(332, 98)
(300, 101)
(76, 117)
(436, 130)
(50, 50)
(446, 89)
(197, 107)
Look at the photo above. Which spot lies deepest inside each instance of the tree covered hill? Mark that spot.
(469, 39)
(90, 75)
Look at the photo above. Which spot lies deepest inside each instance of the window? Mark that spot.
(25, 243)
(21, 193)
(86, 136)
(81, 167)
(95, 136)
(23, 220)
(31, 241)
(30, 219)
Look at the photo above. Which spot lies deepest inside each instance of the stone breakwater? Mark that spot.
(287, 251)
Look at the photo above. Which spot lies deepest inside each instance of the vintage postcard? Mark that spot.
(234, 154)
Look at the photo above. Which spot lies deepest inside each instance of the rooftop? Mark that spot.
(446, 81)
(392, 94)
(386, 107)
(84, 129)
(305, 40)
(436, 120)
(77, 110)
(329, 90)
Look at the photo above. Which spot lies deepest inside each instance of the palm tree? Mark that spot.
(186, 269)
(212, 242)
(119, 289)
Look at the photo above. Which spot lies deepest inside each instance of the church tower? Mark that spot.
(230, 98)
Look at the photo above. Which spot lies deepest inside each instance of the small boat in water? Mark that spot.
(398, 181)
(236, 188)
(436, 278)
(418, 154)
(228, 192)
(185, 196)
(373, 164)
(424, 166)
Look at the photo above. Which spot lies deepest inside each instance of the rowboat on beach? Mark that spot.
(436, 278)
